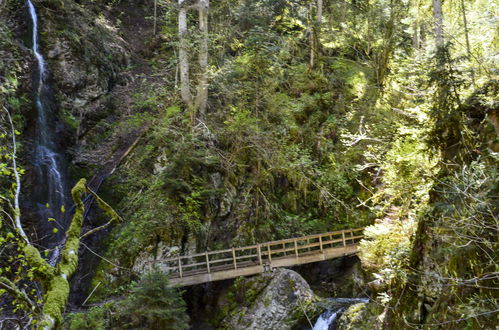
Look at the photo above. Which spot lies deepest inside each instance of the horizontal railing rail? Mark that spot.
(258, 254)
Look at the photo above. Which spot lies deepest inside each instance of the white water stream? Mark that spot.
(328, 320)
(50, 185)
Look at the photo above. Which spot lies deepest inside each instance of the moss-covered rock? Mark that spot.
(276, 300)
(363, 316)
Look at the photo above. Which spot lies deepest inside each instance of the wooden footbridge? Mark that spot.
(249, 260)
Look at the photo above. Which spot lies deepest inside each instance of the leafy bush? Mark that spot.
(152, 304)
(155, 304)
(386, 249)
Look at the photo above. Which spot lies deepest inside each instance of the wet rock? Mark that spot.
(276, 300)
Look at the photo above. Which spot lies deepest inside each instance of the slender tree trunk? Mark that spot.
(388, 42)
(183, 58)
(202, 89)
(439, 23)
(466, 34)
(415, 36)
(155, 16)
(17, 209)
(315, 35)
(319, 12)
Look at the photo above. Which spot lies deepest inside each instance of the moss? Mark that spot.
(307, 309)
(108, 210)
(55, 300)
(38, 264)
(361, 316)
(242, 294)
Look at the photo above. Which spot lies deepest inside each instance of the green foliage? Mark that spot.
(151, 304)
(408, 171)
(15, 270)
(449, 130)
(95, 318)
(287, 149)
(386, 249)
(154, 303)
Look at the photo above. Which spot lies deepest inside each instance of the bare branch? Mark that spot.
(17, 210)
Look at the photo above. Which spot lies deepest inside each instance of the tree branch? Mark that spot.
(17, 210)
(18, 294)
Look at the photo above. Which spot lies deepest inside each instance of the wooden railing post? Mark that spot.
(234, 258)
(259, 252)
(320, 244)
(351, 235)
(296, 247)
(343, 238)
(207, 261)
(284, 248)
(180, 266)
(268, 251)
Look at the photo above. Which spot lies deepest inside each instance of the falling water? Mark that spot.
(328, 320)
(50, 186)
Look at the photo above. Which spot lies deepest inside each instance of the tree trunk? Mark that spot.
(319, 12)
(183, 59)
(415, 36)
(315, 35)
(155, 16)
(202, 89)
(439, 23)
(416, 43)
(466, 34)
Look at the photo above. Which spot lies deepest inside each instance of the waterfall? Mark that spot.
(50, 188)
(328, 320)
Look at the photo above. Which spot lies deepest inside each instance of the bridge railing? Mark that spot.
(258, 254)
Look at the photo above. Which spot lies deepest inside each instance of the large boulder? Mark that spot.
(275, 300)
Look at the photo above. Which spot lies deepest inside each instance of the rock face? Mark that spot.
(145, 261)
(87, 59)
(341, 277)
(277, 300)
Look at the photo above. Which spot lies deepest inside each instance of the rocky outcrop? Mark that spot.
(341, 277)
(145, 261)
(87, 58)
(276, 300)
